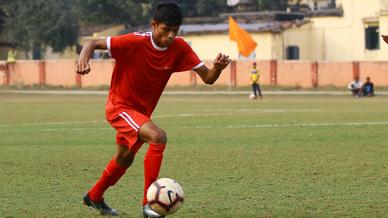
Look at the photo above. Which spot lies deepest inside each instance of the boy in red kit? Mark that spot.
(144, 64)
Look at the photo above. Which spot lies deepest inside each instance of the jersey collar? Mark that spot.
(155, 45)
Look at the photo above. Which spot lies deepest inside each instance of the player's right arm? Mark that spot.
(83, 66)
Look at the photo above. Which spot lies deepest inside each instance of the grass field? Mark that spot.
(283, 156)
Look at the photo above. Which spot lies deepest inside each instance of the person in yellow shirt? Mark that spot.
(254, 77)
(11, 60)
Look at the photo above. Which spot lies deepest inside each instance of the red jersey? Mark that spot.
(143, 69)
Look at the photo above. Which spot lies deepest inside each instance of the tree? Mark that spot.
(203, 8)
(111, 12)
(36, 24)
(271, 4)
(211, 8)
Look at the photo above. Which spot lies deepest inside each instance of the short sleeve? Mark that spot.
(118, 46)
(188, 59)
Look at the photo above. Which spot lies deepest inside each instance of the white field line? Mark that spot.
(50, 123)
(224, 112)
(56, 92)
(290, 125)
(293, 125)
(197, 113)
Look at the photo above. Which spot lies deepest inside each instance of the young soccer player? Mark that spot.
(144, 64)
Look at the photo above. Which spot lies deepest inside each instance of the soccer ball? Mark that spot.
(252, 96)
(165, 196)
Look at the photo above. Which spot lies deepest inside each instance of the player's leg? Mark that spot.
(125, 155)
(254, 89)
(116, 167)
(111, 174)
(127, 125)
(157, 139)
(259, 90)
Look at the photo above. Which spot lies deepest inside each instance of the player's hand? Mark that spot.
(385, 38)
(221, 61)
(82, 67)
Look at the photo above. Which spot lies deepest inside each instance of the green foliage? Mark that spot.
(195, 8)
(2, 19)
(41, 23)
(271, 4)
(36, 24)
(111, 12)
(135, 12)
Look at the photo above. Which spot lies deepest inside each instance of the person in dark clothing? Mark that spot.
(367, 88)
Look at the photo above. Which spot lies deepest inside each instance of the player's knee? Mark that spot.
(158, 137)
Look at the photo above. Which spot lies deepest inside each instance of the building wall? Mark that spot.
(294, 73)
(283, 73)
(341, 38)
(335, 74)
(377, 71)
(100, 75)
(25, 72)
(324, 39)
(59, 73)
(383, 4)
(209, 45)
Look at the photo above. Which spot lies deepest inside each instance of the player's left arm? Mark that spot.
(209, 76)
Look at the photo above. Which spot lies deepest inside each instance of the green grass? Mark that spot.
(283, 156)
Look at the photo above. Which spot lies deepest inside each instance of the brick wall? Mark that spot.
(284, 73)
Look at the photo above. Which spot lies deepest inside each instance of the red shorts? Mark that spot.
(128, 123)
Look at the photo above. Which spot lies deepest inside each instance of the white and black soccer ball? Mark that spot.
(165, 196)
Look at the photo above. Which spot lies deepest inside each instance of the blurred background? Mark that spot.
(321, 39)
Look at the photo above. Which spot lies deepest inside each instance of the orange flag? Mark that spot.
(245, 43)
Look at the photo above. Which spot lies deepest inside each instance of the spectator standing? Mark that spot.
(254, 77)
(11, 60)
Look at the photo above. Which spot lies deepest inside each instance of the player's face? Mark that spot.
(163, 34)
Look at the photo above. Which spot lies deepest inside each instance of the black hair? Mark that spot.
(169, 13)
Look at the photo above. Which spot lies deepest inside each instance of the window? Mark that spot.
(292, 53)
(372, 38)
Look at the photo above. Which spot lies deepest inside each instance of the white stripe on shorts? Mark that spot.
(133, 125)
(130, 118)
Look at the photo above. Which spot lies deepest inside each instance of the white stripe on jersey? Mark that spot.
(198, 65)
(108, 45)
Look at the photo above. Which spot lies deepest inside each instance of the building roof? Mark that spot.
(327, 12)
(262, 26)
(254, 22)
(272, 26)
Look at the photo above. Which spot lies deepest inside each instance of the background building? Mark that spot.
(342, 30)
